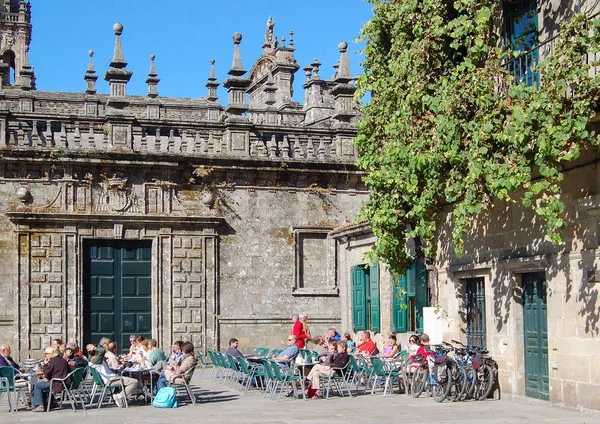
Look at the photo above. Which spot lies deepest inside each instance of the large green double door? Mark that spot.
(535, 327)
(116, 290)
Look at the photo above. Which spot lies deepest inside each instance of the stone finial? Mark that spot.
(335, 70)
(308, 72)
(343, 70)
(212, 83)
(315, 67)
(291, 44)
(236, 84)
(152, 79)
(236, 65)
(118, 76)
(118, 59)
(283, 41)
(90, 75)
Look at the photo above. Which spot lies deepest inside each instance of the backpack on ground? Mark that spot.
(165, 398)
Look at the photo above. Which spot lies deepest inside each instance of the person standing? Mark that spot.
(298, 331)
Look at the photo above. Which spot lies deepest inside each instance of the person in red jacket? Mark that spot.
(367, 345)
(298, 331)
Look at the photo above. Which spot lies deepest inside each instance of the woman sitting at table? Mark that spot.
(174, 374)
(391, 349)
(339, 360)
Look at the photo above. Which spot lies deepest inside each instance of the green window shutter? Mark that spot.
(399, 305)
(374, 296)
(411, 277)
(359, 298)
(421, 294)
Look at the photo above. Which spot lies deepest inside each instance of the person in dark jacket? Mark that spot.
(6, 360)
(74, 360)
(331, 365)
(55, 366)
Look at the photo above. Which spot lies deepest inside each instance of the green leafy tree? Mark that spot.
(447, 124)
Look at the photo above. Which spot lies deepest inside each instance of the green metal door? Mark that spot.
(535, 327)
(116, 290)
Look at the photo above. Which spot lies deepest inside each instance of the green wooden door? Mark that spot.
(116, 290)
(535, 327)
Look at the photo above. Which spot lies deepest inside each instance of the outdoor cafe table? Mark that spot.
(138, 373)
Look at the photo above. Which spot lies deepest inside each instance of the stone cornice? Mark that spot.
(26, 218)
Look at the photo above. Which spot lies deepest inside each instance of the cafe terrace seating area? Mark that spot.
(256, 372)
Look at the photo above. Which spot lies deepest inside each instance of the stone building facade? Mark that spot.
(174, 218)
(533, 304)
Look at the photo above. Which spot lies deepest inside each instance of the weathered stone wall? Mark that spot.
(509, 241)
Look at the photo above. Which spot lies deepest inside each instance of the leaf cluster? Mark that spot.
(448, 124)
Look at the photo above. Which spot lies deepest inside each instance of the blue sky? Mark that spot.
(184, 35)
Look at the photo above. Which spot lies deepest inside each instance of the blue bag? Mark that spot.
(165, 398)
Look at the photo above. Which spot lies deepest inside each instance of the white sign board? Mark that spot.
(432, 324)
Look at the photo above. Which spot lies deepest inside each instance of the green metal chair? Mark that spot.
(20, 390)
(4, 391)
(285, 378)
(251, 372)
(382, 372)
(72, 391)
(106, 389)
(186, 377)
(337, 381)
(261, 351)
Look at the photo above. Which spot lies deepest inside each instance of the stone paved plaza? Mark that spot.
(220, 404)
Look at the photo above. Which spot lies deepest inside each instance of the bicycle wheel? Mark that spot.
(441, 390)
(484, 382)
(419, 380)
(457, 388)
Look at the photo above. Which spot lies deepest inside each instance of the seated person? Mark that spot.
(59, 345)
(55, 366)
(425, 348)
(331, 350)
(413, 344)
(391, 349)
(155, 354)
(173, 360)
(111, 358)
(339, 360)
(175, 374)
(233, 348)
(6, 360)
(349, 342)
(367, 345)
(74, 360)
(132, 386)
(290, 352)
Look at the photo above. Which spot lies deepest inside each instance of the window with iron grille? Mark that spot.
(521, 34)
(475, 302)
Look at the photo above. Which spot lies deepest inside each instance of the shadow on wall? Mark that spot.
(587, 295)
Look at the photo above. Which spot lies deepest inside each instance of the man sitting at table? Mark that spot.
(155, 354)
(74, 360)
(6, 360)
(175, 374)
(289, 352)
(233, 348)
(367, 345)
(55, 366)
(111, 358)
(132, 386)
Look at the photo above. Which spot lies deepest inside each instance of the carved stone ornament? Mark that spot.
(117, 196)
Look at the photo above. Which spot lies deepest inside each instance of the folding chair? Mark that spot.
(72, 390)
(109, 388)
(184, 384)
(20, 389)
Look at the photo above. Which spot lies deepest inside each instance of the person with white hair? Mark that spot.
(298, 331)
(55, 366)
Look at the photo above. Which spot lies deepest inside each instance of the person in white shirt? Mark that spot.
(132, 386)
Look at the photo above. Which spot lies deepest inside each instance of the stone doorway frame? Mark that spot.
(185, 274)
